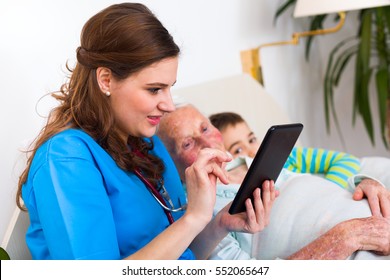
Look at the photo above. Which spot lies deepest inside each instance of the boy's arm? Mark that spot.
(336, 166)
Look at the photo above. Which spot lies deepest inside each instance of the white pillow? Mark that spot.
(307, 207)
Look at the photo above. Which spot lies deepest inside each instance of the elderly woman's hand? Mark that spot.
(341, 241)
(378, 197)
(257, 215)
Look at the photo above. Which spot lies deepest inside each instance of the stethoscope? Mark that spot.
(162, 197)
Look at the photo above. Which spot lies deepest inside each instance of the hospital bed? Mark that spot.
(306, 208)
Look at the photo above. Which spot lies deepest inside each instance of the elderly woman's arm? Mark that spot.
(371, 234)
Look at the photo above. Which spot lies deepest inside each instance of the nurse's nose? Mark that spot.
(166, 104)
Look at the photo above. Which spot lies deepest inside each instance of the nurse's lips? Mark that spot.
(154, 120)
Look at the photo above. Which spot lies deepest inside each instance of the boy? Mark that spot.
(240, 141)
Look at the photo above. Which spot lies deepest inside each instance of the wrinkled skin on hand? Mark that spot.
(371, 234)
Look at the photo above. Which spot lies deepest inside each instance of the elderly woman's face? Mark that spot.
(189, 132)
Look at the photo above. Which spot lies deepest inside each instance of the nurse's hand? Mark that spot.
(201, 178)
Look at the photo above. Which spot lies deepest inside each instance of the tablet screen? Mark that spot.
(268, 162)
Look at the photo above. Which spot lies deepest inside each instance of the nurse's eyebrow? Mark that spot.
(157, 84)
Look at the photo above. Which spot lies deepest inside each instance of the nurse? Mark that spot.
(98, 183)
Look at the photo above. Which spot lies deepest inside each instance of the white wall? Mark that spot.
(38, 37)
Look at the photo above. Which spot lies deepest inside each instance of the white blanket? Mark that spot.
(308, 206)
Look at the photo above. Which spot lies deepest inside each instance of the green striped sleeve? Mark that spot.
(335, 166)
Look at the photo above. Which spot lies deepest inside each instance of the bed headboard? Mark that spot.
(241, 94)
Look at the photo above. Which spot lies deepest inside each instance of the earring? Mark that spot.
(108, 93)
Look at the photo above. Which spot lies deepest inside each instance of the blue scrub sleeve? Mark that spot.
(74, 210)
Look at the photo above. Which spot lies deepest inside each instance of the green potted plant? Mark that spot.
(370, 47)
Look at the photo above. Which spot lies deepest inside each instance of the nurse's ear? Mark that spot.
(103, 76)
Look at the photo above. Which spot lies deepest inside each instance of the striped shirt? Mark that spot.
(336, 166)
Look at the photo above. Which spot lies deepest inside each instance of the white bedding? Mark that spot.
(308, 206)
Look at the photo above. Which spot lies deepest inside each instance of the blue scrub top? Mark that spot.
(83, 206)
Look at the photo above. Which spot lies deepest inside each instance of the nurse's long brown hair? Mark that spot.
(124, 38)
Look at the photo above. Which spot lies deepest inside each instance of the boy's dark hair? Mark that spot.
(224, 119)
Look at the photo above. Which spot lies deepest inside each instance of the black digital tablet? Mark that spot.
(268, 162)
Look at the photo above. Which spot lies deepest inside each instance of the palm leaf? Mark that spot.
(328, 90)
(382, 86)
(335, 74)
(331, 69)
(364, 104)
(363, 75)
(283, 8)
(382, 75)
(386, 14)
(316, 23)
(380, 38)
(329, 101)
(341, 63)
